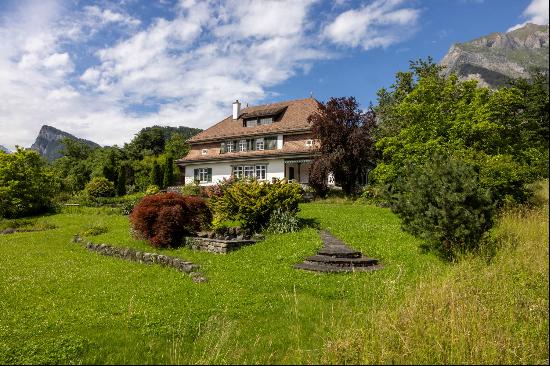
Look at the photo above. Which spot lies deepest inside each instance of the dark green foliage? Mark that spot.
(164, 219)
(443, 203)
(502, 133)
(252, 202)
(168, 178)
(153, 140)
(346, 138)
(156, 175)
(100, 187)
(27, 185)
(177, 145)
(121, 182)
(282, 221)
(191, 189)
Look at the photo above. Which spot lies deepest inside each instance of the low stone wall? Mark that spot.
(216, 245)
(148, 258)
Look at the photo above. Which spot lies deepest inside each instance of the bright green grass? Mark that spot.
(60, 303)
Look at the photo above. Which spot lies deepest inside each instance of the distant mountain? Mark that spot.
(48, 142)
(4, 149)
(497, 57)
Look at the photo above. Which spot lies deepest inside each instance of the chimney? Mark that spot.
(236, 109)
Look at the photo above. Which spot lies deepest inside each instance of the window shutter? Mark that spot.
(196, 174)
(250, 144)
(209, 174)
(223, 149)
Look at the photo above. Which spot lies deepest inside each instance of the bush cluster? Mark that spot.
(165, 218)
(100, 187)
(27, 185)
(443, 203)
(252, 202)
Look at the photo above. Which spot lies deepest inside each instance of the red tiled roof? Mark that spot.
(294, 114)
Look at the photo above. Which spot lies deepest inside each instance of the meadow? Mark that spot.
(60, 303)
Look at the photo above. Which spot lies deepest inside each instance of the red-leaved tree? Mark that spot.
(346, 136)
(164, 219)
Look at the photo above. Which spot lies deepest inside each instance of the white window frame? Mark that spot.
(203, 175)
(261, 172)
(260, 144)
(243, 144)
(230, 146)
(204, 151)
(248, 171)
(253, 122)
(238, 171)
(309, 142)
(265, 121)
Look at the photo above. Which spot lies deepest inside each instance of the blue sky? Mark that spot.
(103, 70)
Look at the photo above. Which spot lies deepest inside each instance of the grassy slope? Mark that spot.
(61, 303)
(492, 312)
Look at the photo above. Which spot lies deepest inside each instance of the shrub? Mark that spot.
(190, 189)
(283, 222)
(164, 219)
(152, 189)
(27, 186)
(443, 203)
(252, 202)
(95, 230)
(100, 187)
(372, 195)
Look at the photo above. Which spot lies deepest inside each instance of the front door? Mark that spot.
(290, 172)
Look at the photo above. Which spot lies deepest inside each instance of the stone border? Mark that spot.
(148, 258)
(212, 245)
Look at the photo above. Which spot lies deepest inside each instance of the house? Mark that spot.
(266, 142)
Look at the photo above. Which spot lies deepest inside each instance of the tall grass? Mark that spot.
(480, 312)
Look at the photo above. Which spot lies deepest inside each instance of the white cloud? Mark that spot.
(185, 69)
(536, 12)
(379, 24)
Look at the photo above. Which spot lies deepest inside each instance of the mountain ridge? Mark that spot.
(496, 58)
(48, 143)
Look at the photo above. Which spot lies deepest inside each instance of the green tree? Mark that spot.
(121, 181)
(156, 174)
(442, 202)
(432, 113)
(177, 145)
(27, 184)
(168, 179)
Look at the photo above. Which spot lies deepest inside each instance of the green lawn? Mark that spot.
(60, 303)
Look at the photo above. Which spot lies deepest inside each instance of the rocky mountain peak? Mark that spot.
(495, 58)
(48, 142)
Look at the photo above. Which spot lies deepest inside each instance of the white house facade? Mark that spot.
(265, 142)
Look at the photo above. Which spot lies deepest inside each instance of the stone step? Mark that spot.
(342, 262)
(318, 267)
(339, 251)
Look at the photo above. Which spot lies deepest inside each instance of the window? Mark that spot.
(259, 144)
(309, 142)
(251, 122)
(230, 146)
(270, 143)
(238, 171)
(266, 121)
(242, 145)
(203, 175)
(261, 171)
(248, 171)
(204, 151)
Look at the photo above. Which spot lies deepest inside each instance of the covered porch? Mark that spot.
(297, 170)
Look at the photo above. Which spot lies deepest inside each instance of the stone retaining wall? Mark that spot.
(148, 258)
(216, 245)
